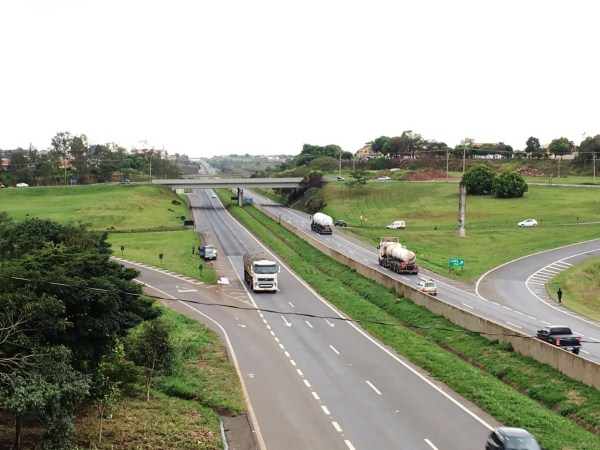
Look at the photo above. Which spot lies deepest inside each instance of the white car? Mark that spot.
(427, 285)
(528, 223)
(22, 185)
(397, 225)
(383, 178)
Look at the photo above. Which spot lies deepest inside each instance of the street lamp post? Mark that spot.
(559, 167)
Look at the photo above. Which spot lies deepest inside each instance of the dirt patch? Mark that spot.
(425, 175)
(531, 172)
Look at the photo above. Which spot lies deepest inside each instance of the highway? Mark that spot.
(312, 379)
(512, 295)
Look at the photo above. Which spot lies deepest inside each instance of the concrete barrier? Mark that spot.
(574, 366)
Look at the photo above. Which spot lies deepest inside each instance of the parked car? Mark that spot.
(22, 185)
(341, 179)
(385, 178)
(340, 223)
(208, 252)
(397, 225)
(507, 438)
(528, 223)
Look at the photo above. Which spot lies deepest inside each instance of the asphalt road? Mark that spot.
(312, 379)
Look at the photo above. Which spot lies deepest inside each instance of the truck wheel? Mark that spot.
(576, 351)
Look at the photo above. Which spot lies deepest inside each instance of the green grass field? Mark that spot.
(565, 214)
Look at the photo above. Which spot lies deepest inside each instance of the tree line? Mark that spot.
(72, 157)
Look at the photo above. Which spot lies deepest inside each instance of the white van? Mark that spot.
(397, 224)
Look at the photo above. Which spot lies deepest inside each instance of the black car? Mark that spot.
(507, 438)
(340, 223)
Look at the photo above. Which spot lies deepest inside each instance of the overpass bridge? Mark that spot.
(231, 183)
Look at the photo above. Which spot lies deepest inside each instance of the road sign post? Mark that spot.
(456, 262)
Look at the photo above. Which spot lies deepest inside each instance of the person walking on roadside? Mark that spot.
(559, 294)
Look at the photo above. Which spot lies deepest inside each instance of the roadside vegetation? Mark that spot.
(516, 390)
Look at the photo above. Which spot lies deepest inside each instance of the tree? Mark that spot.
(588, 147)
(533, 147)
(479, 179)
(50, 391)
(510, 184)
(313, 200)
(380, 144)
(358, 180)
(150, 347)
(324, 163)
(560, 146)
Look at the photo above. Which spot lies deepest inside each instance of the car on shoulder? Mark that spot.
(340, 223)
(384, 178)
(22, 185)
(341, 179)
(528, 223)
(508, 438)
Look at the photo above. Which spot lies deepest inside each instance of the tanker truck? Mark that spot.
(394, 256)
(321, 223)
(260, 272)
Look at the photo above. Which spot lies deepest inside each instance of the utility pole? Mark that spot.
(340, 168)
(464, 157)
(447, 165)
(594, 162)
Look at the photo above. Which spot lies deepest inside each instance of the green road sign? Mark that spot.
(456, 262)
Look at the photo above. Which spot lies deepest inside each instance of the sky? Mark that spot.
(264, 77)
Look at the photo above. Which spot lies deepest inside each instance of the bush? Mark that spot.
(510, 185)
(479, 180)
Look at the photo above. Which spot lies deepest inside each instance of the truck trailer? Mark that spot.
(396, 257)
(260, 272)
(321, 223)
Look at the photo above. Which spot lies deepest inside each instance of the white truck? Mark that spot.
(397, 225)
(260, 272)
(396, 257)
(321, 223)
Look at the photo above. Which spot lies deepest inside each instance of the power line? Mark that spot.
(275, 311)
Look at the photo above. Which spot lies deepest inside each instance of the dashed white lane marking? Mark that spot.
(315, 395)
(307, 383)
(349, 445)
(468, 306)
(309, 324)
(325, 410)
(337, 427)
(431, 444)
(373, 387)
(513, 325)
(300, 372)
(334, 349)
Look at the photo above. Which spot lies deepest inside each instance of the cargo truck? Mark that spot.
(396, 257)
(321, 223)
(260, 272)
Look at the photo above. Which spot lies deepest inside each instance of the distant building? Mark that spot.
(366, 152)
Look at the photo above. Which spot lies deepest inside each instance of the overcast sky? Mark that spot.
(205, 78)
